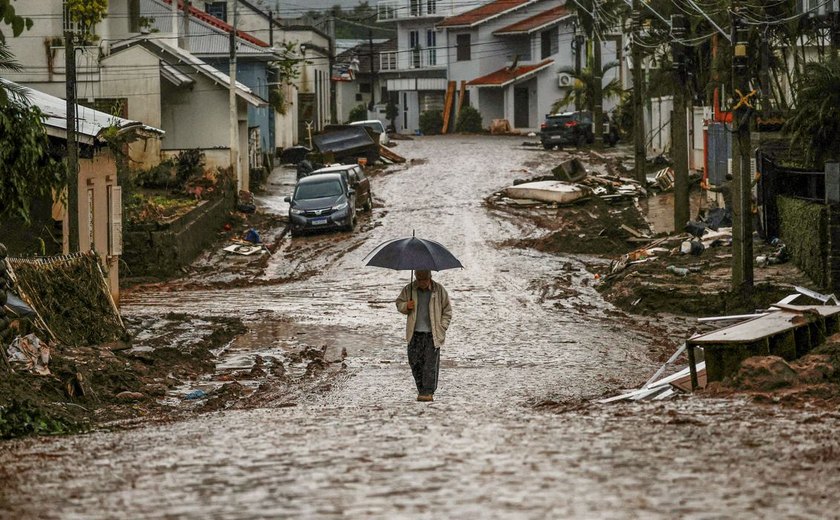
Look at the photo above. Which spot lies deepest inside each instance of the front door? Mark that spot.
(520, 107)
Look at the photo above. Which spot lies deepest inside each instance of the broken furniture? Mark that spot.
(348, 142)
(789, 332)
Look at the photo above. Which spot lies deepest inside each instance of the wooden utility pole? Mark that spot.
(580, 41)
(372, 72)
(234, 118)
(679, 123)
(639, 137)
(742, 246)
(598, 115)
(333, 98)
(184, 36)
(72, 215)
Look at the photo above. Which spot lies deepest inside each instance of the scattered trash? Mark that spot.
(678, 271)
(692, 247)
(195, 394)
(130, 396)
(243, 249)
(570, 171)
(245, 202)
(252, 236)
(390, 156)
(695, 229)
(31, 352)
(665, 179)
(547, 191)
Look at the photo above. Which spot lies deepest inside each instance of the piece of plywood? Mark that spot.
(765, 326)
(461, 93)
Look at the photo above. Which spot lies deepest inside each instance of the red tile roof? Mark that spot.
(535, 22)
(504, 76)
(483, 13)
(219, 24)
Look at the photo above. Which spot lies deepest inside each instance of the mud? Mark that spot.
(318, 417)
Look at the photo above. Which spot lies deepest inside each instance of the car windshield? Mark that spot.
(317, 190)
(376, 126)
(559, 120)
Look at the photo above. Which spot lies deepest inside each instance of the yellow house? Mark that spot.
(100, 196)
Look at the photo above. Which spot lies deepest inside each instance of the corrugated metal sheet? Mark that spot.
(720, 145)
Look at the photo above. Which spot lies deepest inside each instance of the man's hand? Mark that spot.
(409, 305)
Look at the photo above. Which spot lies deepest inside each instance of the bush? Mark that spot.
(189, 163)
(431, 122)
(359, 113)
(160, 176)
(469, 121)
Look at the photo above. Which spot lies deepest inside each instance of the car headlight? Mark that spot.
(295, 211)
(339, 207)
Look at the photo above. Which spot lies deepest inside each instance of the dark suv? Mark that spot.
(355, 177)
(322, 201)
(573, 128)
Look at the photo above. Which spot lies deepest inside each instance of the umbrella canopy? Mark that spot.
(416, 254)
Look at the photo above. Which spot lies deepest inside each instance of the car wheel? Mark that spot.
(547, 146)
(580, 142)
(294, 232)
(368, 205)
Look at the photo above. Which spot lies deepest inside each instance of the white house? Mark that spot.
(416, 70)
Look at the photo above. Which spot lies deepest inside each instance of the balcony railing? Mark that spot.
(423, 58)
(406, 9)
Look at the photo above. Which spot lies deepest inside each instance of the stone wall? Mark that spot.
(160, 250)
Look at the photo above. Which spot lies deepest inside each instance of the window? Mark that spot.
(463, 47)
(431, 43)
(383, 93)
(217, 9)
(431, 6)
(415, 7)
(414, 44)
(549, 43)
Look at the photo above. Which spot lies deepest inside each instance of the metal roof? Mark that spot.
(90, 123)
(537, 22)
(176, 56)
(484, 13)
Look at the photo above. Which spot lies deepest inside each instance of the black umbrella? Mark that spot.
(412, 253)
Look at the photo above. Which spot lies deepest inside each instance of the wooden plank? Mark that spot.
(684, 383)
(390, 155)
(461, 93)
(447, 106)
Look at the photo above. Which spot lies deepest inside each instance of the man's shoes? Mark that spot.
(425, 397)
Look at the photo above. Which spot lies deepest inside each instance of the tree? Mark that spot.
(27, 169)
(815, 125)
(584, 86)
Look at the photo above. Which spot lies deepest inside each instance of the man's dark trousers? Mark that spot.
(424, 360)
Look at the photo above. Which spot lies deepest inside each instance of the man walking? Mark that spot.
(426, 305)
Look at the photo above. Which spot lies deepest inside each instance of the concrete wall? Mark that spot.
(162, 251)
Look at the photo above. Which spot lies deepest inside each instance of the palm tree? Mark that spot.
(584, 87)
(815, 124)
(9, 64)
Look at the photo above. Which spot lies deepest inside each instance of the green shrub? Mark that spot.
(804, 230)
(160, 176)
(431, 122)
(189, 163)
(469, 120)
(359, 113)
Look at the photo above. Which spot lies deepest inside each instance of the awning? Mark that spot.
(506, 76)
(536, 23)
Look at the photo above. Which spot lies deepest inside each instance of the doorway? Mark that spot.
(521, 107)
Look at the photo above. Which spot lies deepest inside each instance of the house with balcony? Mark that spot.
(417, 69)
(508, 53)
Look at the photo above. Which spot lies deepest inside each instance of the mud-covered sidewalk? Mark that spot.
(513, 431)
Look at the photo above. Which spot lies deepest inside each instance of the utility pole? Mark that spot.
(742, 246)
(333, 103)
(185, 26)
(679, 123)
(270, 29)
(639, 137)
(598, 116)
(372, 72)
(72, 215)
(580, 41)
(234, 118)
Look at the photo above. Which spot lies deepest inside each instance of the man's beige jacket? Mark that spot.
(440, 311)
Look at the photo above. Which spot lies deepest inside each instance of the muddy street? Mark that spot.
(511, 432)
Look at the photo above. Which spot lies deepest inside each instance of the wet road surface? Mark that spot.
(360, 446)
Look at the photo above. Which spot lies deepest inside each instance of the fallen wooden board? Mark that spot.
(684, 383)
(447, 106)
(765, 326)
(390, 155)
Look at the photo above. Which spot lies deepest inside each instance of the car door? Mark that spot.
(362, 185)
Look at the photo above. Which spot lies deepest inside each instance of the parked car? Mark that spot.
(323, 201)
(573, 128)
(355, 177)
(377, 126)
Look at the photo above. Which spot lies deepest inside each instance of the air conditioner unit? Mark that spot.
(564, 80)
